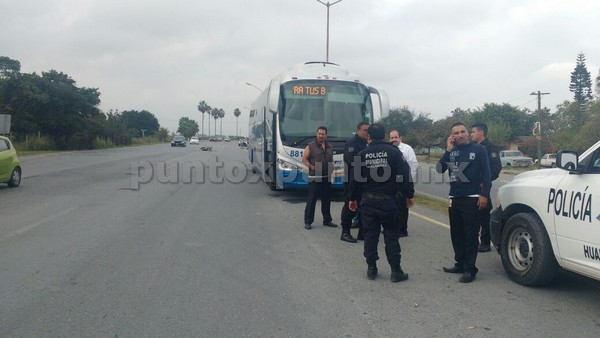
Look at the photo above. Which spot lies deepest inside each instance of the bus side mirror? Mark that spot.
(274, 91)
(381, 110)
(567, 160)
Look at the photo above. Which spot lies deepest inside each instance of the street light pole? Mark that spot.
(327, 43)
(251, 85)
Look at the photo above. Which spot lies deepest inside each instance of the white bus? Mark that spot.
(285, 117)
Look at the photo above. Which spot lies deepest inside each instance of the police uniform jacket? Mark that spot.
(351, 149)
(495, 164)
(383, 172)
(469, 170)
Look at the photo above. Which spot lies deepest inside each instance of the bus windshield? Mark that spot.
(308, 104)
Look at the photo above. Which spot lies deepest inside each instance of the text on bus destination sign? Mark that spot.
(309, 90)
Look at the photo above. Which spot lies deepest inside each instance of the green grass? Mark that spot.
(433, 203)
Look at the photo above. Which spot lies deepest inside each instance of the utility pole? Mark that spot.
(538, 127)
(327, 44)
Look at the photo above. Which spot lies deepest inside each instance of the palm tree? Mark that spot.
(214, 112)
(203, 107)
(221, 116)
(236, 113)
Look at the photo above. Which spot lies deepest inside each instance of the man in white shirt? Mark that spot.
(411, 158)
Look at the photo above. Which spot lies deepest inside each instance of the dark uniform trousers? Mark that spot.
(374, 213)
(464, 232)
(402, 214)
(348, 215)
(318, 188)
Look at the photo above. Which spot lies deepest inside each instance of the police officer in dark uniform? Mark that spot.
(383, 172)
(469, 169)
(354, 145)
(479, 135)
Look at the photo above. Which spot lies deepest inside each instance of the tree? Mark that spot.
(581, 83)
(138, 120)
(203, 107)
(237, 112)
(187, 127)
(8, 67)
(221, 116)
(214, 112)
(598, 85)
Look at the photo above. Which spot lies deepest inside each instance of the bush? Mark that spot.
(35, 143)
(102, 143)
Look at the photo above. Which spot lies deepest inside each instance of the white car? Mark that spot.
(194, 140)
(548, 161)
(514, 158)
(550, 219)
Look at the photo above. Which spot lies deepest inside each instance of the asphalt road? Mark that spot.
(106, 244)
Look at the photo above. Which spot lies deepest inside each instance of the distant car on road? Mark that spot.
(548, 160)
(194, 140)
(178, 141)
(227, 139)
(514, 158)
(10, 167)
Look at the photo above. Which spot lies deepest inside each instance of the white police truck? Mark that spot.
(549, 219)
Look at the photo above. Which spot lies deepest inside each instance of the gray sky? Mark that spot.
(432, 56)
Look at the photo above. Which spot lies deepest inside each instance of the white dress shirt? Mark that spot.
(411, 158)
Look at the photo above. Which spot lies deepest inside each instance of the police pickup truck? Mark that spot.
(549, 219)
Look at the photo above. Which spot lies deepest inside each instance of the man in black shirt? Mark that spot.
(355, 144)
(383, 172)
(470, 183)
(479, 135)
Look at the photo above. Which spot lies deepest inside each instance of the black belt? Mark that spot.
(377, 196)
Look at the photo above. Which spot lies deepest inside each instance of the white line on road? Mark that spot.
(430, 219)
(36, 224)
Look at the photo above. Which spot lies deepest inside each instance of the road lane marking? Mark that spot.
(429, 219)
(36, 224)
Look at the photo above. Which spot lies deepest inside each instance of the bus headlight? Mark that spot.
(285, 165)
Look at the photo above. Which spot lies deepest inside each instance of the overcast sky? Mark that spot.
(432, 56)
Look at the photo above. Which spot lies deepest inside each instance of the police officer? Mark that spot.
(469, 169)
(479, 135)
(410, 157)
(355, 144)
(383, 171)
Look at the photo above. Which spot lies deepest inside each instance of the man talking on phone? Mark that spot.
(469, 169)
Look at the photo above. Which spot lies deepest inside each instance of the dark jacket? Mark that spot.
(351, 149)
(383, 171)
(495, 164)
(469, 170)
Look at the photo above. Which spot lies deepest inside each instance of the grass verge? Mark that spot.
(432, 203)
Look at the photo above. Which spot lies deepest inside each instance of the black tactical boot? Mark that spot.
(372, 271)
(397, 274)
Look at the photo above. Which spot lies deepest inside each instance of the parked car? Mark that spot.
(514, 158)
(194, 140)
(178, 141)
(10, 167)
(548, 161)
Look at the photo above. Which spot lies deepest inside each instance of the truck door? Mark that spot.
(577, 217)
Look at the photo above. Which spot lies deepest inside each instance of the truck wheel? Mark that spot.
(526, 251)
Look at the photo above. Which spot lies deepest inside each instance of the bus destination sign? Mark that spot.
(309, 90)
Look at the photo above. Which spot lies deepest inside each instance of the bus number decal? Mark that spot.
(296, 153)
